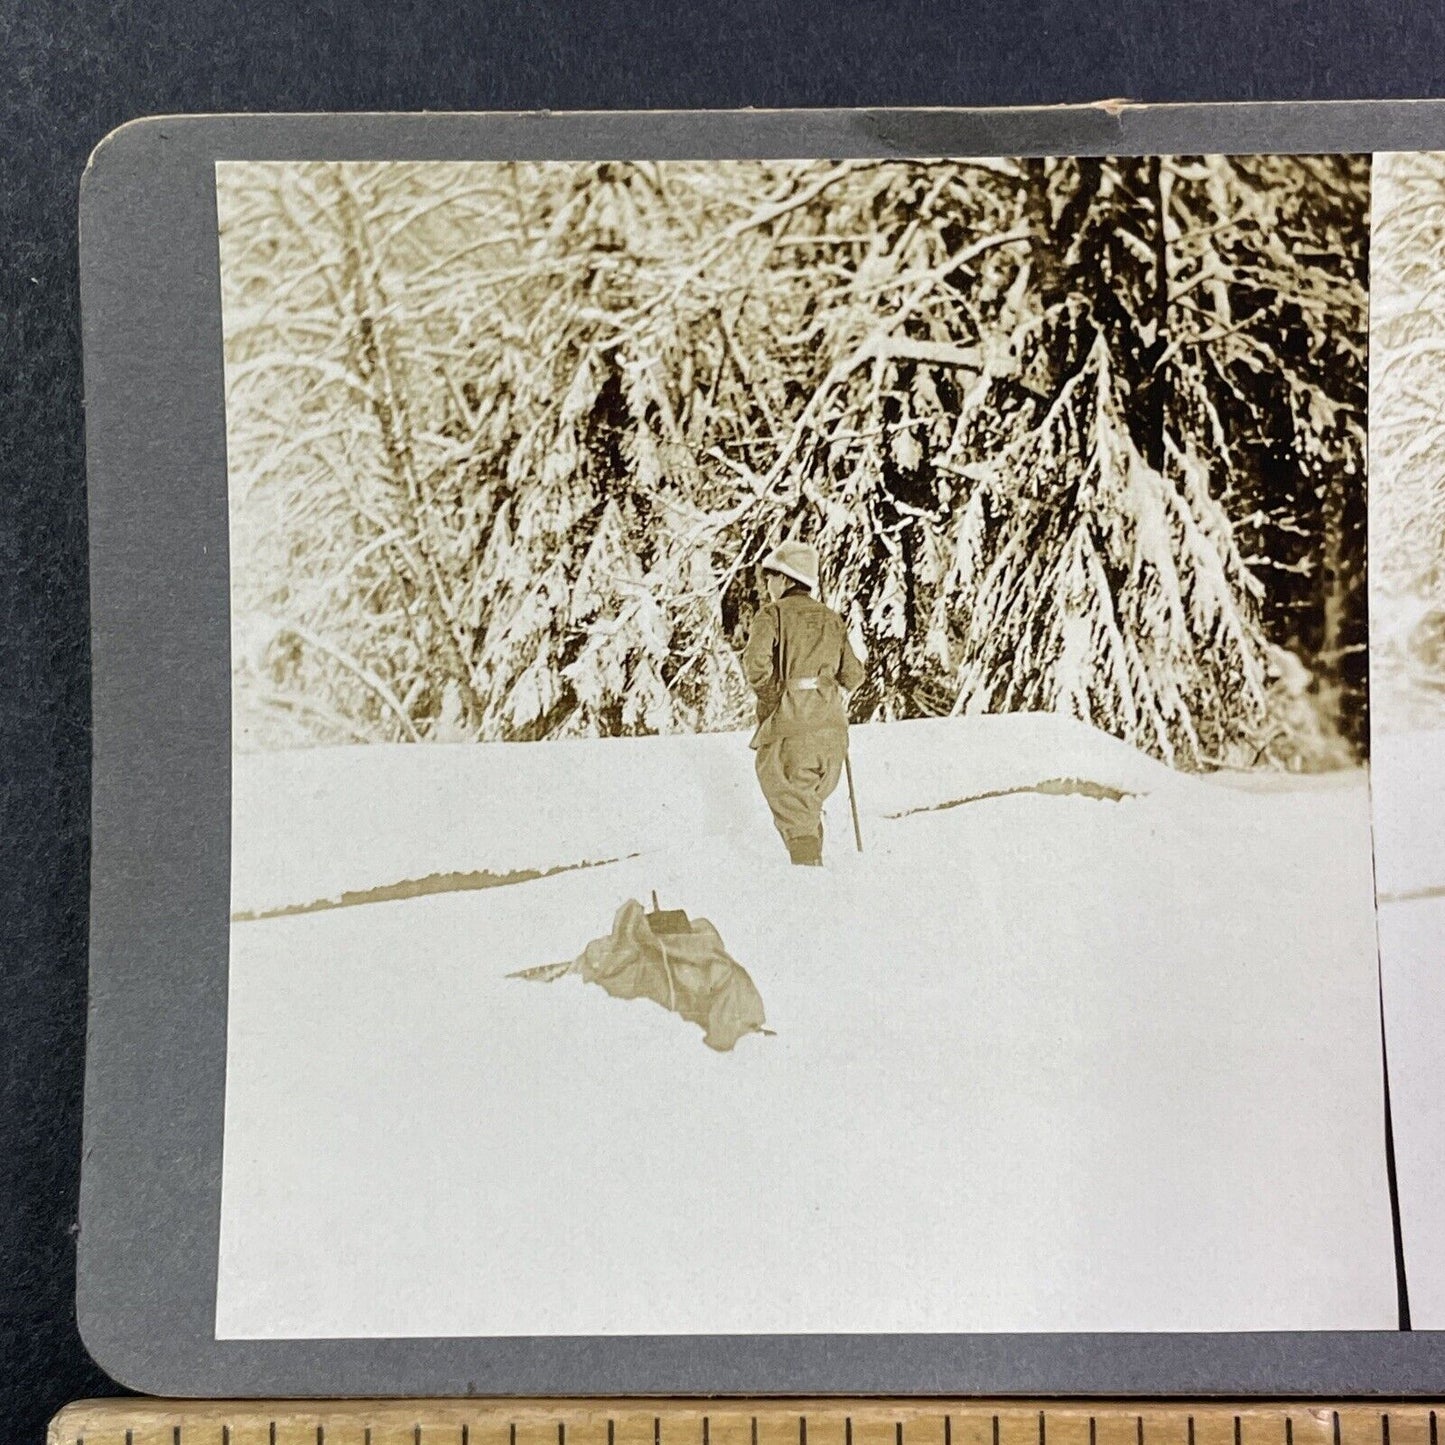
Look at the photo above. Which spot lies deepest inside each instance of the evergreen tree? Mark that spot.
(507, 441)
(1407, 431)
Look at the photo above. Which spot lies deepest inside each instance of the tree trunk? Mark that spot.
(1153, 354)
(386, 393)
(1335, 585)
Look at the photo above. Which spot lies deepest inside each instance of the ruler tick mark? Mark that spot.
(1138, 1430)
(948, 1430)
(995, 1430)
(1434, 1437)
(755, 1430)
(1191, 1430)
(706, 1431)
(466, 1433)
(1337, 1427)
(561, 1432)
(802, 1430)
(898, 1433)
(1238, 1431)
(1043, 1428)
(657, 1430)
(847, 1430)
(1094, 1428)
(1384, 1430)
(1289, 1430)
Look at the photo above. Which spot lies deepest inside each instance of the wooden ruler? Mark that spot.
(741, 1422)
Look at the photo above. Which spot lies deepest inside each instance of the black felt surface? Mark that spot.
(70, 70)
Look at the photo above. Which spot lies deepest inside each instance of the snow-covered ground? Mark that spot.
(313, 824)
(1408, 783)
(1041, 1061)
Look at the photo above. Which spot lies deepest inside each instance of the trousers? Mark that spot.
(798, 775)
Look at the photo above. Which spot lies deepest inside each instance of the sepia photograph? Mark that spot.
(801, 741)
(1407, 684)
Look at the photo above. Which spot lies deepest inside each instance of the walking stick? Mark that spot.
(853, 801)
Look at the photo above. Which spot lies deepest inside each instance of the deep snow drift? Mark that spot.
(1041, 1060)
(1408, 782)
(313, 824)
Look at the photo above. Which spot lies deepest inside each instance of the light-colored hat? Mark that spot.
(796, 560)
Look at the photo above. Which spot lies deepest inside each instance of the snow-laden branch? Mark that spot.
(357, 669)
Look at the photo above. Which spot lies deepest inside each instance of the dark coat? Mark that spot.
(799, 640)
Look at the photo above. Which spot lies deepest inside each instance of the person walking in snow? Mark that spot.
(799, 662)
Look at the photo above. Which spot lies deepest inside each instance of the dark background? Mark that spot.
(71, 70)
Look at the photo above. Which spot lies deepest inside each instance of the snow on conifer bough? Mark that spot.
(1072, 434)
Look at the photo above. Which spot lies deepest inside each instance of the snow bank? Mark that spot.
(312, 824)
(1408, 787)
(1040, 1063)
(1408, 784)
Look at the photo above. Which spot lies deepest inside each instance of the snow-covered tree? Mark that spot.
(507, 440)
(1407, 433)
(1103, 587)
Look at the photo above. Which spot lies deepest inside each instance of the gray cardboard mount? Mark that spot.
(156, 1055)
